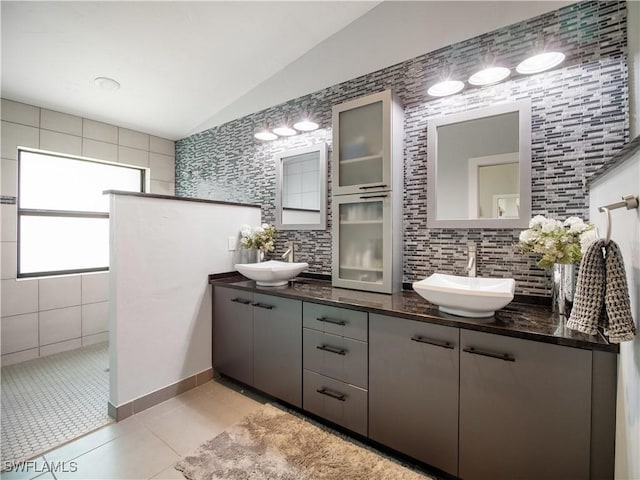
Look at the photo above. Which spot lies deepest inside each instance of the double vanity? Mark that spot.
(513, 396)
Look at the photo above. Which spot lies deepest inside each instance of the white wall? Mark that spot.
(160, 310)
(44, 316)
(625, 179)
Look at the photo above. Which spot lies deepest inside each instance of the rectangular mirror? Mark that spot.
(301, 188)
(479, 168)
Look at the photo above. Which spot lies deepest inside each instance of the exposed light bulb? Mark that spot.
(446, 87)
(489, 75)
(540, 63)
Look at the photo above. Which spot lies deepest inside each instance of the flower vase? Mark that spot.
(563, 287)
(251, 255)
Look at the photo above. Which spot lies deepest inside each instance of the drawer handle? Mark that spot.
(338, 396)
(501, 356)
(371, 186)
(342, 323)
(373, 196)
(241, 300)
(430, 341)
(335, 350)
(263, 305)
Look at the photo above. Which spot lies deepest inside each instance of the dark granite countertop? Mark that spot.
(532, 322)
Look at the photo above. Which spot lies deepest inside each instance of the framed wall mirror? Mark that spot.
(301, 188)
(479, 168)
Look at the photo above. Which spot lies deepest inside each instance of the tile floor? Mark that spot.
(148, 444)
(50, 400)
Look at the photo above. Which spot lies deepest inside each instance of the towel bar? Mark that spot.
(628, 201)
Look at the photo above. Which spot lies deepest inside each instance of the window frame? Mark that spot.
(20, 212)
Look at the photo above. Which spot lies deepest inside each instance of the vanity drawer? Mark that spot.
(335, 320)
(336, 401)
(337, 357)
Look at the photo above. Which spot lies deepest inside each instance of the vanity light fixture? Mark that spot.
(489, 76)
(540, 62)
(284, 130)
(445, 88)
(265, 134)
(306, 125)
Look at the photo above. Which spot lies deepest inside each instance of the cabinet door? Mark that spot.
(362, 242)
(277, 347)
(524, 409)
(233, 333)
(362, 153)
(413, 389)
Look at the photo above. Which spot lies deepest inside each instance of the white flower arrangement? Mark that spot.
(261, 237)
(558, 242)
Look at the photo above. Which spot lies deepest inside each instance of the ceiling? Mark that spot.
(187, 66)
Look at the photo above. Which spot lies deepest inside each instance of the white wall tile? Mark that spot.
(9, 178)
(60, 142)
(19, 357)
(99, 150)
(14, 135)
(60, 122)
(19, 297)
(20, 113)
(19, 332)
(133, 156)
(60, 347)
(162, 188)
(9, 223)
(60, 325)
(95, 318)
(93, 339)
(99, 131)
(161, 145)
(59, 292)
(95, 287)
(131, 138)
(162, 167)
(9, 259)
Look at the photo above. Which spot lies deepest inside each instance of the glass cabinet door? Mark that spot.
(361, 159)
(363, 237)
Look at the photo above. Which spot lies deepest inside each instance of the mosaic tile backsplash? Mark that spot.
(579, 121)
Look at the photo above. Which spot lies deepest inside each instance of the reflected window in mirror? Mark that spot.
(301, 188)
(479, 168)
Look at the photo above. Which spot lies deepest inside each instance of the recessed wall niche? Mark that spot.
(579, 120)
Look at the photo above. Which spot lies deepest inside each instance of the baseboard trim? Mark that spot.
(159, 396)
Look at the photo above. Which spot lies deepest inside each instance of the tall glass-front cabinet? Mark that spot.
(367, 166)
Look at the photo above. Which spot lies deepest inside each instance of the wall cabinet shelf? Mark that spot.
(367, 192)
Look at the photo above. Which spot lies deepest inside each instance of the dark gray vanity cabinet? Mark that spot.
(413, 389)
(277, 347)
(233, 333)
(525, 409)
(258, 341)
(335, 365)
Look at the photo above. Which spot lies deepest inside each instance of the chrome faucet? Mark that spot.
(471, 263)
(289, 254)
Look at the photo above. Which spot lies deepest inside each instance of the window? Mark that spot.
(63, 216)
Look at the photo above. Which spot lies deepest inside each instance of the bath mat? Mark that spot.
(274, 444)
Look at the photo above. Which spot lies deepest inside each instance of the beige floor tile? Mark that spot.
(94, 439)
(139, 455)
(169, 474)
(186, 427)
(224, 396)
(168, 405)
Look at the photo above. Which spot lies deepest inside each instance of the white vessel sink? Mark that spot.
(466, 296)
(272, 273)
